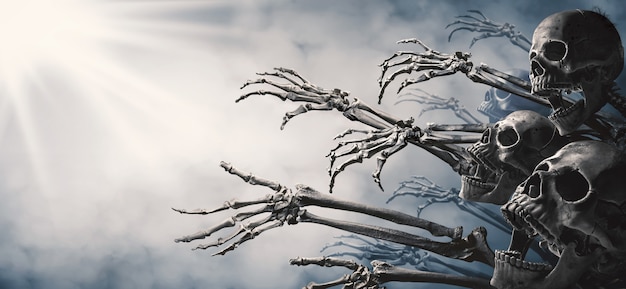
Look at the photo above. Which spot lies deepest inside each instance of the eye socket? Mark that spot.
(508, 137)
(572, 186)
(501, 94)
(555, 50)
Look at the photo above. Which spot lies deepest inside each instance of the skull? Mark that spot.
(499, 103)
(572, 51)
(576, 202)
(507, 154)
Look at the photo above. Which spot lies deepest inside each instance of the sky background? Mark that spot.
(112, 112)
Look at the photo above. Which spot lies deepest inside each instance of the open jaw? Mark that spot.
(546, 86)
(525, 230)
(481, 178)
(576, 252)
(486, 184)
(478, 183)
(565, 116)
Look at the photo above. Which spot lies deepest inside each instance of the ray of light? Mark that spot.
(76, 43)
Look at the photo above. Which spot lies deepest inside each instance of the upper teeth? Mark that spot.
(562, 112)
(513, 258)
(522, 220)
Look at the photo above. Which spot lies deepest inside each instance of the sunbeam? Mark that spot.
(71, 57)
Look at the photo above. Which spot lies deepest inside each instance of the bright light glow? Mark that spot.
(72, 55)
(34, 31)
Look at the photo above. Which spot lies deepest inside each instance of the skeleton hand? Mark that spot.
(287, 206)
(299, 90)
(387, 141)
(360, 278)
(436, 102)
(372, 249)
(488, 28)
(427, 191)
(386, 125)
(433, 64)
(282, 206)
(381, 272)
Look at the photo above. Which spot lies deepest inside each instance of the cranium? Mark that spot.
(576, 202)
(499, 103)
(572, 51)
(507, 154)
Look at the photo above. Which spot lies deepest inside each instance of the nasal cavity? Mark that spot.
(532, 186)
(536, 68)
(486, 136)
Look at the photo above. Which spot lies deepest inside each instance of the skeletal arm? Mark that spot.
(431, 63)
(389, 135)
(298, 89)
(436, 102)
(399, 255)
(478, 22)
(288, 206)
(381, 272)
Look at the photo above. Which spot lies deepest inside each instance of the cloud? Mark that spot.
(87, 190)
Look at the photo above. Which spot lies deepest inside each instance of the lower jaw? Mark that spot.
(497, 190)
(568, 120)
(511, 272)
(473, 189)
